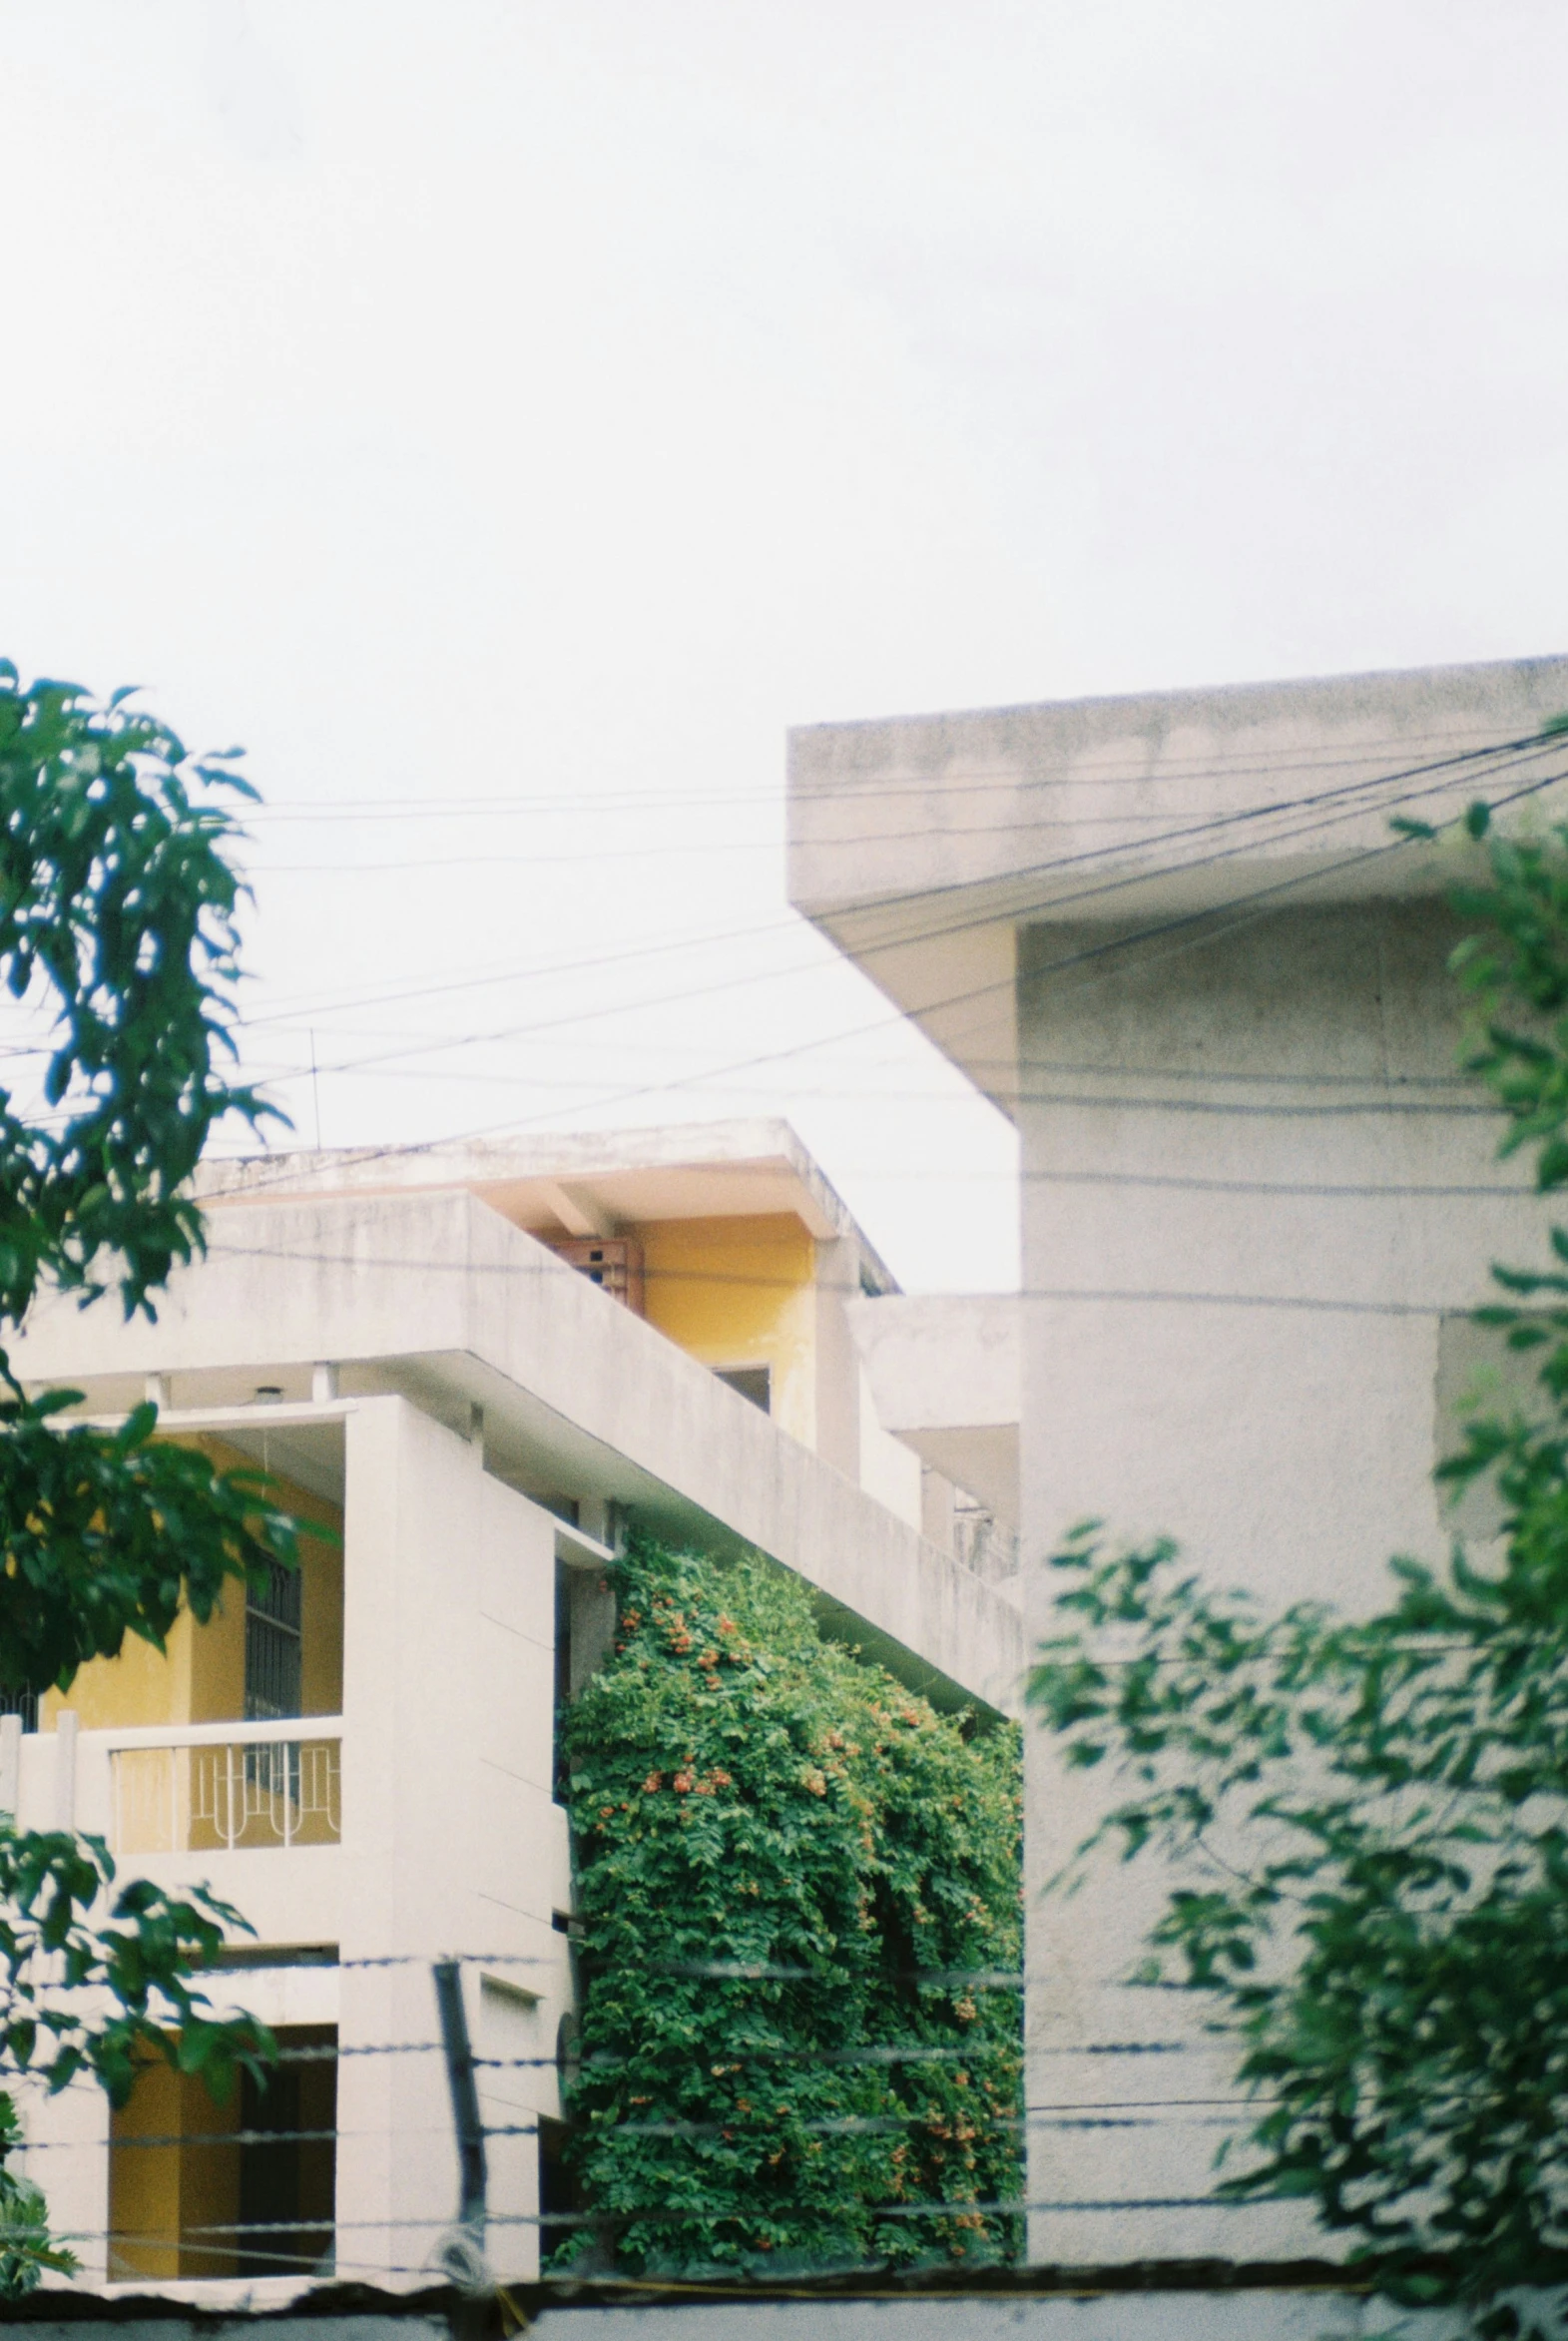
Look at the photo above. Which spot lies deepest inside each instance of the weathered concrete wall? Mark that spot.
(1250, 1364)
(1174, 937)
(920, 844)
(946, 1376)
(1253, 2315)
(911, 809)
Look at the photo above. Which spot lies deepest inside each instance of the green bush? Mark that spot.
(789, 1866)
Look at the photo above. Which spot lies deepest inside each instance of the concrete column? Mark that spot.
(10, 1764)
(838, 1361)
(1262, 1100)
(65, 1769)
(936, 1509)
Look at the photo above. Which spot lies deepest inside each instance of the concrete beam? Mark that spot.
(919, 845)
(437, 1297)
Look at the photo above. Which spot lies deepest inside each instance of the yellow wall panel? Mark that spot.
(200, 1678)
(143, 2181)
(739, 1292)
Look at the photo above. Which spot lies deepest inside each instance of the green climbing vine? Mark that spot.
(800, 1904)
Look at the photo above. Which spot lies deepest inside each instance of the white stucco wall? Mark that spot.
(452, 1846)
(1251, 1371)
(1172, 935)
(945, 1376)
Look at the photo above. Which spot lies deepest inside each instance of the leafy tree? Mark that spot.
(798, 1897)
(117, 906)
(1366, 1820)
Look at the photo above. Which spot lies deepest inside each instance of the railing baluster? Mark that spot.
(165, 1795)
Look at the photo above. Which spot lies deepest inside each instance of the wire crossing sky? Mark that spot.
(506, 422)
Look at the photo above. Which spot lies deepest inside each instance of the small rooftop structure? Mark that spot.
(592, 1183)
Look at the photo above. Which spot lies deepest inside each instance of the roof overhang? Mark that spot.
(922, 844)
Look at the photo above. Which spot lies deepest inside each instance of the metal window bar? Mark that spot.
(274, 1644)
(235, 1794)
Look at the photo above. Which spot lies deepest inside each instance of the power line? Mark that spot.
(928, 934)
(1242, 1109)
(976, 779)
(887, 943)
(1521, 752)
(693, 848)
(653, 1274)
(1248, 903)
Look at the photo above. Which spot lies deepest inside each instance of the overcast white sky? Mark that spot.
(551, 400)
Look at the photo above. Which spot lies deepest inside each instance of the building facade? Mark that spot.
(461, 1371)
(1176, 939)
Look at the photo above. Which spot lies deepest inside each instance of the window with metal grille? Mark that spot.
(613, 1263)
(271, 1647)
(272, 1675)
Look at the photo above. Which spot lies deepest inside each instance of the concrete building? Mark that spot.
(1175, 939)
(464, 1367)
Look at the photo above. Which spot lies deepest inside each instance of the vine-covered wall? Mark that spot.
(799, 1903)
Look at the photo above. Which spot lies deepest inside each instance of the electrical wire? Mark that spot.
(940, 833)
(920, 894)
(360, 1156)
(1214, 1300)
(887, 944)
(1021, 981)
(1019, 1096)
(977, 778)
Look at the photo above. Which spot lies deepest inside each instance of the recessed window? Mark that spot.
(272, 1623)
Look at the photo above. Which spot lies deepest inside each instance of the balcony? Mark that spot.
(180, 1788)
(202, 1788)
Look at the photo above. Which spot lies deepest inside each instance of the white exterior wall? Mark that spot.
(889, 1470)
(1289, 1448)
(464, 1351)
(452, 1846)
(439, 1296)
(1194, 897)
(945, 1377)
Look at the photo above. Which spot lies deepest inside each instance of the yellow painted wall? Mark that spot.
(739, 1292)
(200, 1677)
(155, 2192)
(162, 2198)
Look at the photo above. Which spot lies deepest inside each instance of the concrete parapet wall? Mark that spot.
(440, 1297)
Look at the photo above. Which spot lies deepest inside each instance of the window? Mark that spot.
(286, 2189)
(613, 1263)
(273, 1646)
(750, 1382)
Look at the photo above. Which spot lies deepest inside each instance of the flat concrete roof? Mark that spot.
(922, 844)
(592, 1183)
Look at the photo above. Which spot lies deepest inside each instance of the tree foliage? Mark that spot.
(798, 1895)
(1366, 1820)
(117, 907)
(118, 902)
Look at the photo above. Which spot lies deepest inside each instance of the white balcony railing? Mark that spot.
(224, 1787)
